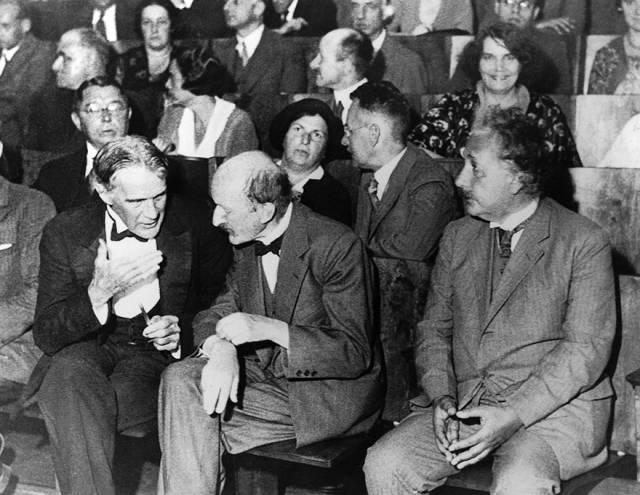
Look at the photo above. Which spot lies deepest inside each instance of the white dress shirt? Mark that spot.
(378, 42)
(344, 96)
(6, 57)
(514, 219)
(270, 261)
(383, 174)
(109, 20)
(290, 10)
(250, 41)
(92, 151)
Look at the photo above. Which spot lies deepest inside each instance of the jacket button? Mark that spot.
(314, 373)
(307, 372)
(298, 373)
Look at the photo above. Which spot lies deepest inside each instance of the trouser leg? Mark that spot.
(79, 408)
(189, 437)
(525, 464)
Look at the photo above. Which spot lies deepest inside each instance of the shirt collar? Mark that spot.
(111, 217)
(279, 229)
(317, 174)
(383, 174)
(10, 52)
(516, 218)
(109, 13)
(92, 151)
(344, 95)
(251, 41)
(291, 9)
(377, 43)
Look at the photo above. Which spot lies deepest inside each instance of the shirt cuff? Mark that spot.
(102, 313)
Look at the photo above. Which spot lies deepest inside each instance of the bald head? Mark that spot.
(343, 59)
(250, 192)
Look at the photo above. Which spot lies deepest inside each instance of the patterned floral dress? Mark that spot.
(444, 129)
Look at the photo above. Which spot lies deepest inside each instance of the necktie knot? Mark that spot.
(244, 54)
(372, 190)
(505, 237)
(262, 248)
(118, 236)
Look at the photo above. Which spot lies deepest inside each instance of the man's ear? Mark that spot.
(374, 133)
(25, 25)
(266, 211)
(258, 9)
(104, 193)
(75, 118)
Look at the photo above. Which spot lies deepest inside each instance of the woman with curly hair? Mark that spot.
(503, 64)
(196, 122)
(616, 67)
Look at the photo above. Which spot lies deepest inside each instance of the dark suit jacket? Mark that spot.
(24, 76)
(541, 342)
(402, 236)
(79, 13)
(275, 67)
(196, 258)
(63, 180)
(319, 14)
(203, 20)
(328, 197)
(332, 364)
(402, 67)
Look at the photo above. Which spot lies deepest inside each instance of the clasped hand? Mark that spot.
(163, 332)
(111, 276)
(497, 425)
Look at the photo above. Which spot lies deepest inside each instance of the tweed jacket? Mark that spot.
(541, 343)
(23, 214)
(322, 292)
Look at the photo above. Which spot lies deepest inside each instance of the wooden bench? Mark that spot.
(332, 466)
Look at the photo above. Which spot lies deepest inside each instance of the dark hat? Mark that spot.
(309, 106)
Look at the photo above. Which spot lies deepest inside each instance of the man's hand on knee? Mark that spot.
(445, 424)
(220, 377)
(498, 424)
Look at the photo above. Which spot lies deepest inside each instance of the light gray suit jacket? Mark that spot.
(544, 339)
(333, 366)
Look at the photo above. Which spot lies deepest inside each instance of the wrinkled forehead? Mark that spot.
(483, 139)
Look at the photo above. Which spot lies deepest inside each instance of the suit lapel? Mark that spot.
(394, 188)
(363, 215)
(293, 265)
(261, 58)
(529, 250)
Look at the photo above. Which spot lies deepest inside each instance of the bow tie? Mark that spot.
(274, 247)
(118, 236)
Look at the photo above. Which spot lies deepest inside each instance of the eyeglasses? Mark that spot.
(113, 108)
(316, 136)
(520, 4)
(348, 131)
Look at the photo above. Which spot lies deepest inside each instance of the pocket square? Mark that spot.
(5, 245)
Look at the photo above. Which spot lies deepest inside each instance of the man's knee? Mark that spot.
(181, 378)
(69, 375)
(525, 480)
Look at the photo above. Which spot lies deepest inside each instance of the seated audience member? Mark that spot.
(200, 19)
(425, 16)
(295, 317)
(145, 69)
(405, 200)
(108, 318)
(257, 58)
(549, 49)
(113, 19)
(23, 214)
(101, 114)
(625, 150)
(82, 54)
(500, 63)
(308, 134)
(196, 122)
(557, 16)
(301, 17)
(616, 67)
(24, 70)
(516, 334)
(343, 60)
(392, 61)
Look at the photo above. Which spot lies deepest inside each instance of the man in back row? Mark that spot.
(516, 335)
(294, 322)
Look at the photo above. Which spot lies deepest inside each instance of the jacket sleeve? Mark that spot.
(434, 334)
(577, 362)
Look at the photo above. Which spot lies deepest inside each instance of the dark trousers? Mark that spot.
(90, 392)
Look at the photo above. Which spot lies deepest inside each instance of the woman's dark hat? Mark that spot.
(309, 106)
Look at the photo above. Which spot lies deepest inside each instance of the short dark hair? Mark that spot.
(126, 152)
(99, 81)
(356, 46)
(202, 71)
(165, 4)
(384, 98)
(519, 141)
(536, 3)
(516, 41)
(270, 185)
